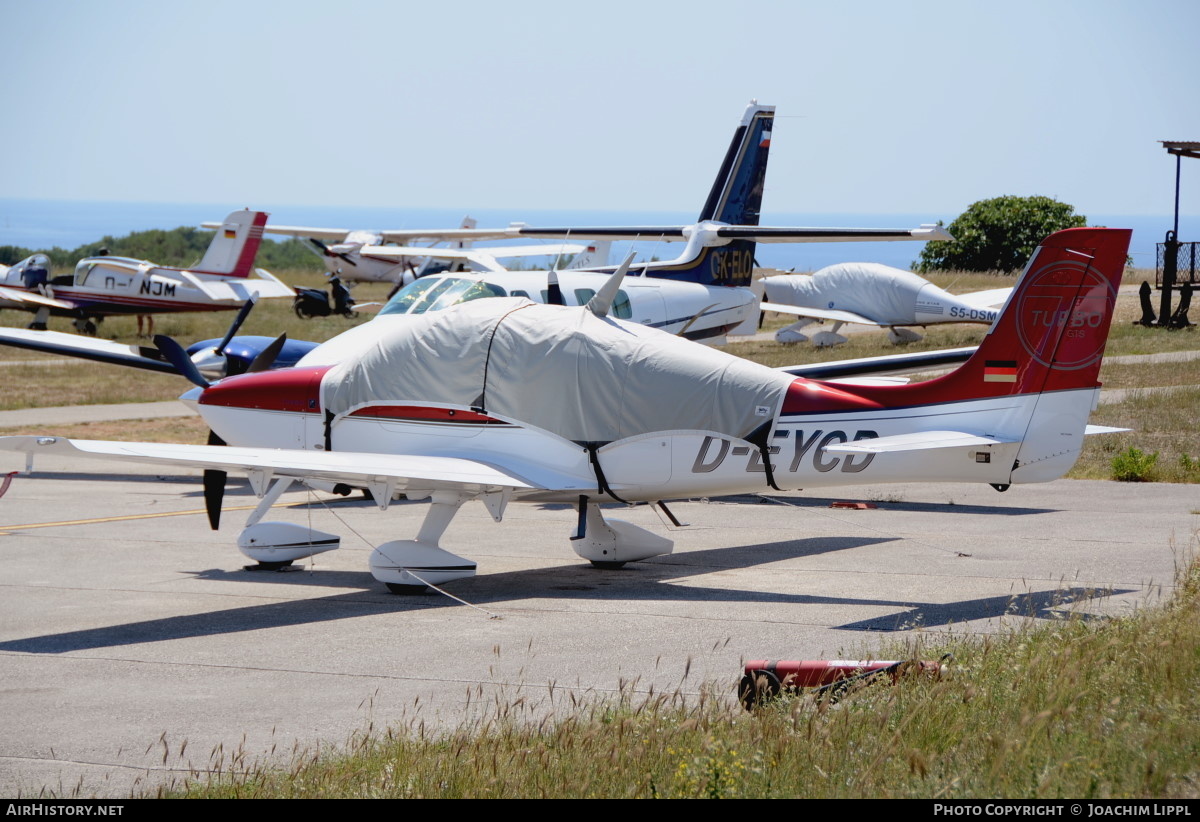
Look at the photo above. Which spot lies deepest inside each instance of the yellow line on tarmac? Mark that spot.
(138, 516)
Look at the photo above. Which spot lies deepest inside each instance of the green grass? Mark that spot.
(1162, 422)
(1080, 708)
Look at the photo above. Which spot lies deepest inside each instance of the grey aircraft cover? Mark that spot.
(878, 292)
(585, 378)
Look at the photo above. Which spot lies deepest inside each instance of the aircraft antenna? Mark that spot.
(558, 258)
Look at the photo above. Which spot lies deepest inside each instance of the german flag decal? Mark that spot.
(1000, 371)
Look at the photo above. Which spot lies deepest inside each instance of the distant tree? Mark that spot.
(998, 234)
(11, 254)
(181, 247)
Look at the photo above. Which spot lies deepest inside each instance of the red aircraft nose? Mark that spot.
(288, 389)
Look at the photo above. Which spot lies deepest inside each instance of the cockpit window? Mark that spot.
(436, 293)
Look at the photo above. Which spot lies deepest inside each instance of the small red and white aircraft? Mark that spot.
(104, 286)
(872, 294)
(505, 400)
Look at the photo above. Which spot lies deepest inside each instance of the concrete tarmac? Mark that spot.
(136, 652)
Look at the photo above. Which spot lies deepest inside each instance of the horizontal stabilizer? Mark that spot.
(889, 364)
(922, 441)
(832, 314)
(1103, 429)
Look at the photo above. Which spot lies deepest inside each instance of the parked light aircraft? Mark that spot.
(703, 294)
(505, 400)
(357, 255)
(104, 286)
(872, 294)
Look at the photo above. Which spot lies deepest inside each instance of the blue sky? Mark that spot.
(883, 107)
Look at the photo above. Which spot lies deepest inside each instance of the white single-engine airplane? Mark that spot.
(104, 286)
(505, 400)
(872, 294)
(396, 256)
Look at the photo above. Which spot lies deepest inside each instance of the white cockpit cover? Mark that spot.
(882, 293)
(559, 368)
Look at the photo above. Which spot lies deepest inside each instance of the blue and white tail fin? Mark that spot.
(735, 199)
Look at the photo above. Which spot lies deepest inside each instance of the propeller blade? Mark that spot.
(602, 302)
(214, 487)
(554, 294)
(236, 324)
(328, 252)
(266, 357)
(179, 358)
(214, 493)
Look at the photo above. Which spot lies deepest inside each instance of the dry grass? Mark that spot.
(191, 430)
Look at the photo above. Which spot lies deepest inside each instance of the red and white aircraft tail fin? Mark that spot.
(1033, 381)
(235, 245)
(1051, 333)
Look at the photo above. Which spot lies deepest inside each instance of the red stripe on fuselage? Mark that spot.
(424, 413)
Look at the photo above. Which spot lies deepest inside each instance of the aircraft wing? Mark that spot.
(30, 298)
(759, 234)
(358, 469)
(73, 345)
(888, 364)
(837, 315)
(394, 236)
(767, 234)
(448, 234)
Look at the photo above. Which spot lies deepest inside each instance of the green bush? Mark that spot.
(1134, 465)
(999, 234)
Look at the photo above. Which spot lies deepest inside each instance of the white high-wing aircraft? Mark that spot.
(506, 400)
(358, 255)
(872, 294)
(104, 286)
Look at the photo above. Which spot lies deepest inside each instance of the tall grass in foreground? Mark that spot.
(1074, 709)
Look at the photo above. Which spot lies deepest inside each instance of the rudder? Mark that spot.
(234, 245)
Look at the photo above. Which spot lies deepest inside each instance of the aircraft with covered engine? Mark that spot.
(506, 400)
(104, 286)
(872, 294)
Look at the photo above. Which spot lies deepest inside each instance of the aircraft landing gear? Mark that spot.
(609, 544)
(901, 336)
(40, 319)
(607, 566)
(275, 545)
(408, 566)
(792, 333)
(85, 325)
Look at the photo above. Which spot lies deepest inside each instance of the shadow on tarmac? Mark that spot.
(648, 581)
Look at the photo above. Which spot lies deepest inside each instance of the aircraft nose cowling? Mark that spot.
(289, 389)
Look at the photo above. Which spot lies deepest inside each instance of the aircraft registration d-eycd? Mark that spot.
(507, 400)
